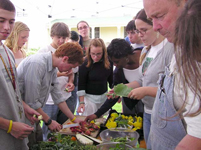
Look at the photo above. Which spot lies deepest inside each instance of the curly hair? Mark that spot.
(12, 40)
(71, 49)
(119, 48)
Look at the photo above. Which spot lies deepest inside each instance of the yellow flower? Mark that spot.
(115, 115)
(111, 125)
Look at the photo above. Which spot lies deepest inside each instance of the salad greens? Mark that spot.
(120, 146)
(61, 142)
(122, 139)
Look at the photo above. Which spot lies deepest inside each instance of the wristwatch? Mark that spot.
(48, 122)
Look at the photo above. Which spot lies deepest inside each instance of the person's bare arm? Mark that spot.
(141, 92)
(54, 126)
(189, 143)
(81, 107)
(64, 108)
(133, 84)
(18, 129)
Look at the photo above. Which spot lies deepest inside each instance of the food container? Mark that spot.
(109, 134)
(116, 145)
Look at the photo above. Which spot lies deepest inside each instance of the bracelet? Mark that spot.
(10, 126)
(73, 119)
(82, 103)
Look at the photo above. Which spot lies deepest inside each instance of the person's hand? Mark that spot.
(111, 94)
(70, 87)
(29, 113)
(137, 93)
(77, 120)
(90, 118)
(67, 73)
(81, 108)
(21, 130)
(119, 100)
(54, 126)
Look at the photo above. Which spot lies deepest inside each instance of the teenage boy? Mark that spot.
(37, 76)
(13, 130)
(133, 37)
(59, 34)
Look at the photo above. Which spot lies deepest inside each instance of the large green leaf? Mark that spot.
(122, 90)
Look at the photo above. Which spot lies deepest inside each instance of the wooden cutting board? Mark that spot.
(67, 131)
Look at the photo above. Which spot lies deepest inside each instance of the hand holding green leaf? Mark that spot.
(122, 90)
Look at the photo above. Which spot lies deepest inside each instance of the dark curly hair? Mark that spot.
(119, 48)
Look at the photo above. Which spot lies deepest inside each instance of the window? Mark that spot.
(125, 33)
(97, 32)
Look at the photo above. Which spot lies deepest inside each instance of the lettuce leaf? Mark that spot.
(122, 90)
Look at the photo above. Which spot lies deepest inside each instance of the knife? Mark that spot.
(70, 125)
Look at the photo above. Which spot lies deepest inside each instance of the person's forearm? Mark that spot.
(189, 142)
(81, 98)
(4, 123)
(133, 84)
(71, 78)
(150, 91)
(106, 106)
(45, 116)
(25, 105)
(64, 108)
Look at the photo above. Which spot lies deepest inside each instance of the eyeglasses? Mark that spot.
(98, 54)
(143, 31)
(84, 27)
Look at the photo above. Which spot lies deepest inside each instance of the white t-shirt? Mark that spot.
(131, 75)
(137, 45)
(154, 49)
(193, 123)
(18, 60)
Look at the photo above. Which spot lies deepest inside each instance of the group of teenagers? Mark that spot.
(160, 62)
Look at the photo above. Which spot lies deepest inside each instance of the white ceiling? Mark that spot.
(35, 13)
(77, 8)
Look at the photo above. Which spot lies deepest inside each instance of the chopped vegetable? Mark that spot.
(66, 89)
(38, 117)
(82, 139)
(73, 138)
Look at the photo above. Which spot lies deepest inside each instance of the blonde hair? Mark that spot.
(97, 42)
(144, 54)
(12, 40)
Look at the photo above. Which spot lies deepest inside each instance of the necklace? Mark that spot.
(12, 78)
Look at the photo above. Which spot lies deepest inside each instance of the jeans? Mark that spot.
(146, 128)
(51, 111)
(71, 103)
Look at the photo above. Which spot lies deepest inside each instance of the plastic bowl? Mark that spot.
(108, 145)
(109, 134)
